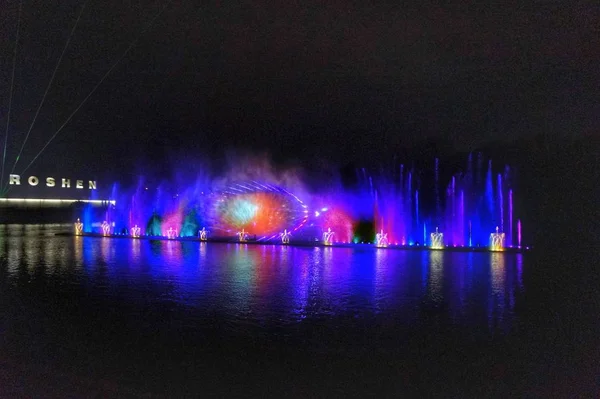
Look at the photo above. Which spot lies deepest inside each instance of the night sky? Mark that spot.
(338, 80)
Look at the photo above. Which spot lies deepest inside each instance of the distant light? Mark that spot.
(317, 213)
(324, 209)
(58, 201)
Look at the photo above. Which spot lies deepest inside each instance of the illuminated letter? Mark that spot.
(92, 184)
(66, 183)
(79, 184)
(33, 181)
(15, 179)
(50, 182)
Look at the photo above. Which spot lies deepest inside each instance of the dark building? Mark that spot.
(49, 199)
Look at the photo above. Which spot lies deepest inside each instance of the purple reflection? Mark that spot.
(261, 286)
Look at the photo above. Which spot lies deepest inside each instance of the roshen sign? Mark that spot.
(52, 182)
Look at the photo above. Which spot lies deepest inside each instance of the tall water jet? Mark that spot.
(451, 203)
(501, 202)
(438, 206)
(137, 202)
(519, 233)
(478, 169)
(190, 224)
(470, 235)
(391, 199)
(417, 207)
(455, 220)
(489, 190)
(510, 217)
(88, 218)
(154, 226)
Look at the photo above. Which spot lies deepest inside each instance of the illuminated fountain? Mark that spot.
(476, 200)
(171, 233)
(394, 204)
(153, 228)
(388, 197)
(261, 207)
(381, 239)
(437, 240)
(465, 207)
(190, 223)
(78, 227)
(203, 234)
(105, 228)
(328, 237)
(285, 237)
(497, 240)
(135, 231)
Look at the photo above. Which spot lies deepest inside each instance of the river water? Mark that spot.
(88, 316)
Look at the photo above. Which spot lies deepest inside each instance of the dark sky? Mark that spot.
(332, 79)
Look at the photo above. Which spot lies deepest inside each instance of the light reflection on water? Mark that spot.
(436, 277)
(266, 286)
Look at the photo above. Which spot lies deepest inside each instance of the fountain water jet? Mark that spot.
(135, 231)
(381, 239)
(203, 234)
(78, 227)
(437, 240)
(328, 237)
(396, 202)
(105, 228)
(154, 226)
(285, 237)
(497, 240)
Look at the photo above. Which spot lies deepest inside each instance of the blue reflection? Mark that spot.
(273, 286)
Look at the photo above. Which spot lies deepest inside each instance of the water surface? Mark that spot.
(164, 317)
